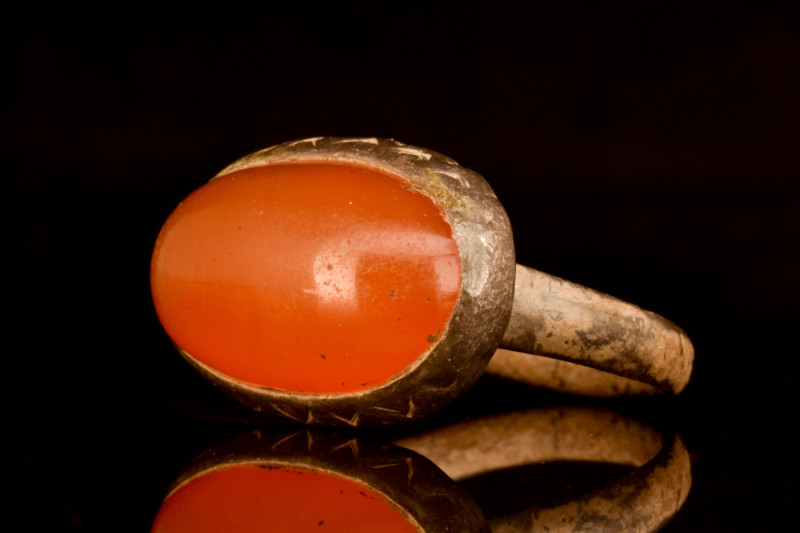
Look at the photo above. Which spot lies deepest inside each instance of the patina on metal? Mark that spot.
(539, 314)
(559, 319)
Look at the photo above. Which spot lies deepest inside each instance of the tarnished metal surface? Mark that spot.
(559, 319)
(551, 317)
(562, 376)
(459, 357)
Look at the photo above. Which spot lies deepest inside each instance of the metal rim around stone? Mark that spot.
(454, 363)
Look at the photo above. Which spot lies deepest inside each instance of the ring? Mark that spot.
(298, 479)
(364, 281)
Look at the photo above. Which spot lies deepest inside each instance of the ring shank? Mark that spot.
(562, 376)
(555, 318)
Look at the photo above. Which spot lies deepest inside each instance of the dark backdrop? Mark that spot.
(645, 149)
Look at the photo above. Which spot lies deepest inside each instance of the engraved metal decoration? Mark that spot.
(500, 304)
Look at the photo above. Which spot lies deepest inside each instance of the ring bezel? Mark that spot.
(454, 363)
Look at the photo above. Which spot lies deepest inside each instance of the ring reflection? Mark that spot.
(290, 479)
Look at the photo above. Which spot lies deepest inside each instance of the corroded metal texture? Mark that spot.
(559, 319)
(459, 357)
(413, 485)
(562, 376)
(642, 501)
(550, 317)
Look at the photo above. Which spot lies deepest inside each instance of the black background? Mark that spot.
(645, 149)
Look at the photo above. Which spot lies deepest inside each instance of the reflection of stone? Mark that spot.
(641, 501)
(414, 479)
(402, 490)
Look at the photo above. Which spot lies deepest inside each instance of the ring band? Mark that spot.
(555, 318)
(562, 376)
(364, 281)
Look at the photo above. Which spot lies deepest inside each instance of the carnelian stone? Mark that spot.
(312, 278)
(249, 498)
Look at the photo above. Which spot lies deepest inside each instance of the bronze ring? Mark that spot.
(498, 304)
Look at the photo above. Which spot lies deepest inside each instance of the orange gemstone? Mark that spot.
(246, 498)
(316, 278)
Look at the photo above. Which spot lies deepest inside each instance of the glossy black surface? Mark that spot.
(645, 151)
